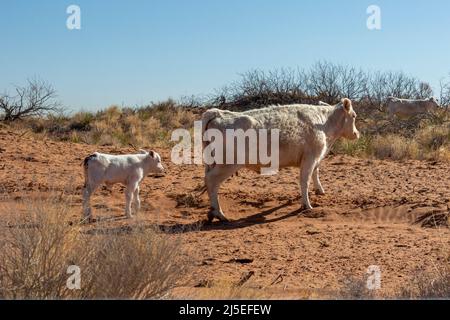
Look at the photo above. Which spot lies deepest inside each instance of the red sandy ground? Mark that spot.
(366, 218)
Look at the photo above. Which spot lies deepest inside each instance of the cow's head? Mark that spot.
(349, 130)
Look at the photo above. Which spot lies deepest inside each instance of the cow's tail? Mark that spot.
(86, 165)
(207, 117)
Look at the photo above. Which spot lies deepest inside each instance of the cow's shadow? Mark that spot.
(245, 222)
(199, 226)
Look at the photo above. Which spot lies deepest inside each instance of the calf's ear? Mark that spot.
(347, 104)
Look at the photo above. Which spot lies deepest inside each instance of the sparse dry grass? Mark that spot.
(422, 138)
(45, 239)
(117, 126)
(355, 148)
(429, 285)
(226, 290)
(394, 147)
(355, 288)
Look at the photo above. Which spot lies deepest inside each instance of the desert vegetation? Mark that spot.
(421, 137)
(45, 238)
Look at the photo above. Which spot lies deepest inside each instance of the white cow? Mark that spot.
(306, 134)
(128, 170)
(406, 108)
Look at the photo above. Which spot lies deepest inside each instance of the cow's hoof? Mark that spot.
(219, 215)
(320, 192)
(306, 208)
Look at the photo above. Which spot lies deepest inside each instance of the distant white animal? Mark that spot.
(406, 108)
(307, 132)
(128, 170)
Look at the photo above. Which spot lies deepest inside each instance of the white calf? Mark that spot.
(128, 170)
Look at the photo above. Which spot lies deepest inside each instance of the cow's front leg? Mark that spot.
(213, 179)
(306, 171)
(317, 185)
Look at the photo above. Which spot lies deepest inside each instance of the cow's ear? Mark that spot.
(152, 153)
(347, 104)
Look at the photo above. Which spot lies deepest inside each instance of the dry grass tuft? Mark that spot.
(355, 288)
(44, 241)
(394, 147)
(116, 126)
(429, 285)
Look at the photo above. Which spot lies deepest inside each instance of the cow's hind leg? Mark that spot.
(213, 179)
(307, 168)
(88, 190)
(317, 185)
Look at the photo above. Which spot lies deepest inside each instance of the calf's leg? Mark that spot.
(137, 201)
(129, 192)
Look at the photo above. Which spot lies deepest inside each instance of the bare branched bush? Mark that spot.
(330, 82)
(257, 88)
(45, 239)
(38, 98)
(324, 81)
(444, 93)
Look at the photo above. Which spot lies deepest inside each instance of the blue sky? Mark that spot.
(133, 52)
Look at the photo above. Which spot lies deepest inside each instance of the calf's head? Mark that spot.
(349, 130)
(153, 162)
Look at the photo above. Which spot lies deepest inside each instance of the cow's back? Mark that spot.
(299, 127)
(404, 108)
